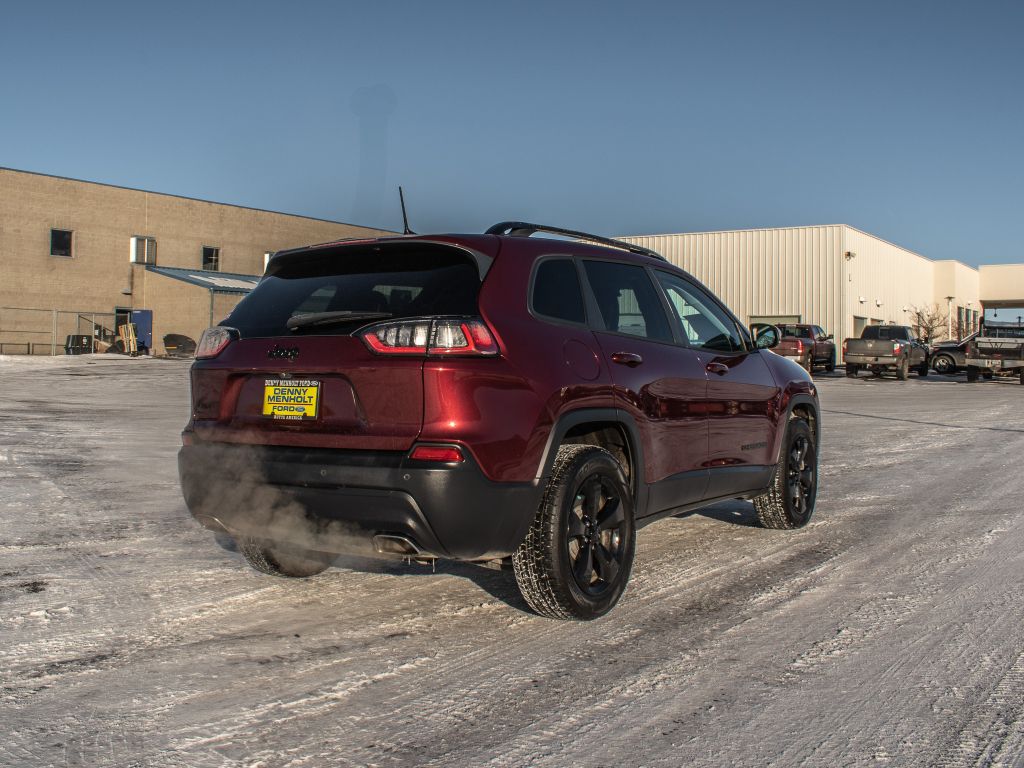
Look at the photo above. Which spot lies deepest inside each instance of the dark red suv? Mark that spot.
(488, 397)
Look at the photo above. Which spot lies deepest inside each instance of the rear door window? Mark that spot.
(406, 280)
(627, 300)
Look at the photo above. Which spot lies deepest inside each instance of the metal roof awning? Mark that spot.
(217, 282)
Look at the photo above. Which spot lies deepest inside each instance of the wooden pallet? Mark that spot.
(126, 333)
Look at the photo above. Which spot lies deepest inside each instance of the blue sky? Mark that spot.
(900, 118)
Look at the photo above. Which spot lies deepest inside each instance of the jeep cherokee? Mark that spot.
(495, 397)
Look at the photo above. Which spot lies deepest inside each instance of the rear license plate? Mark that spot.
(297, 400)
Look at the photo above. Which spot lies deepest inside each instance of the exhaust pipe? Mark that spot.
(390, 544)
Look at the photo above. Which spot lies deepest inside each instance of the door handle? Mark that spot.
(627, 358)
(720, 368)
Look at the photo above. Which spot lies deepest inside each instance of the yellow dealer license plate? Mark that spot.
(291, 398)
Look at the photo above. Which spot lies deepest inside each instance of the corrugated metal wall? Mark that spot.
(757, 272)
(887, 282)
(805, 271)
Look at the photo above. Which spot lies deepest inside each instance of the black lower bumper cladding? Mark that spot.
(337, 501)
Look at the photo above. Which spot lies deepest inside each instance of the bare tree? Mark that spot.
(930, 322)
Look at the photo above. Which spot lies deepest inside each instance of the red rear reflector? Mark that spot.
(436, 453)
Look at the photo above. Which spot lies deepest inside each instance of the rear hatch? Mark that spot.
(298, 370)
(875, 347)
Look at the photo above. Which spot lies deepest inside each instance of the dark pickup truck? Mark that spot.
(808, 346)
(883, 348)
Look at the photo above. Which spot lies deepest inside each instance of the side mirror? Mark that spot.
(767, 337)
(830, 337)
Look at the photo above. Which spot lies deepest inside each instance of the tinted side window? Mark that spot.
(556, 291)
(627, 300)
(703, 321)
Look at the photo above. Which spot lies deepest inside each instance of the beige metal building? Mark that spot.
(835, 276)
(1002, 287)
(75, 255)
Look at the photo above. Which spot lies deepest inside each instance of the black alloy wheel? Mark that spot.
(596, 535)
(789, 500)
(577, 556)
(801, 477)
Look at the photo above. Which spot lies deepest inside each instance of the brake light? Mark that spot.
(440, 336)
(214, 340)
(896, 346)
(799, 347)
(844, 348)
(446, 453)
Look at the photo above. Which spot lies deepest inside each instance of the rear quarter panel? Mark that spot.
(503, 409)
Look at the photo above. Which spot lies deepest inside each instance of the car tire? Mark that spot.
(789, 501)
(972, 374)
(1022, 377)
(944, 364)
(576, 558)
(922, 369)
(852, 371)
(277, 560)
(830, 364)
(903, 369)
(987, 375)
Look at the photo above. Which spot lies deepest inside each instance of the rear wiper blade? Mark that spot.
(311, 319)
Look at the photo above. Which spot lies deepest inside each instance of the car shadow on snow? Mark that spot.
(734, 512)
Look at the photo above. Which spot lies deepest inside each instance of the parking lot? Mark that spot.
(887, 632)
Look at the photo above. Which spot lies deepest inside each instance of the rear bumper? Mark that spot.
(336, 501)
(991, 363)
(872, 360)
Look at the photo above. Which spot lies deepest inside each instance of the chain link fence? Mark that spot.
(26, 331)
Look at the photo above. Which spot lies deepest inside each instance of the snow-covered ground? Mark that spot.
(888, 632)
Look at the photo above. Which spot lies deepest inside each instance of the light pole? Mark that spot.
(949, 316)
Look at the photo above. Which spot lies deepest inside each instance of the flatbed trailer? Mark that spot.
(998, 349)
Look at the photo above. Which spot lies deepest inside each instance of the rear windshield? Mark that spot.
(388, 282)
(799, 331)
(886, 332)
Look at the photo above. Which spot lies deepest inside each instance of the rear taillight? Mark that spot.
(896, 346)
(799, 347)
(438, 336)
(446, 453)
(214, 340)
(844, 349)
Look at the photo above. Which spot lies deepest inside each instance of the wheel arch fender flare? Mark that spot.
(796, 401)
(568, 421)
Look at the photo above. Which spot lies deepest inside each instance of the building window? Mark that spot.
(211, 258)
(60, 242)
(143, 250)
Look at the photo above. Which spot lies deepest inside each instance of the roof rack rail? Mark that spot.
(525, 229)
